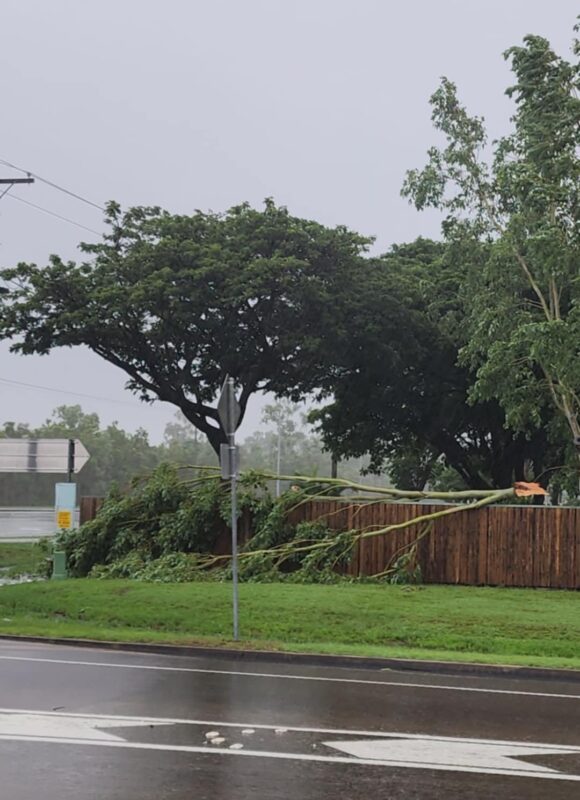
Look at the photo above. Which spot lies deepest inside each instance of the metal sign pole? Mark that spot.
(71, 459)
(234, 489)
(229, 414)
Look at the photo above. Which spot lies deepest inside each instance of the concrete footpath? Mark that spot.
(79, 723)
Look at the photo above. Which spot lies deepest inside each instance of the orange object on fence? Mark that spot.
(523, 489)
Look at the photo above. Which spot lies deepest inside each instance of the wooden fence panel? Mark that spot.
(531, 546)
(89, 507)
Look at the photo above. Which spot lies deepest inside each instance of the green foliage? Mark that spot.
(523, 321)
(321, 565)
(179, 301)
(167, 526)
(406, 570)
(445, 479)
(261, 567)
(170, 568)
(160, 515)
(275, 529)
(414, 419)
(281, 551)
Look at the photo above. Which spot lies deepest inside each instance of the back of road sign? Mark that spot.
(228, 408)
(41, 455)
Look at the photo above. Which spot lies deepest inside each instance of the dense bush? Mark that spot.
(162, 514)
(171, 568)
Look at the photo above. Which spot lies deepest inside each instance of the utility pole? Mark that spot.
(16, 180)
(10, 182)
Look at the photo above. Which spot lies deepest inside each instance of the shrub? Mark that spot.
(160, 515)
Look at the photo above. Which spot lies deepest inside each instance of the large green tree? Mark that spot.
(417, 417)
(178, 302)
(521, 196)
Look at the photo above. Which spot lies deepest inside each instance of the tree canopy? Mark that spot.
(178, 302)
(417, 418)
(524, 316)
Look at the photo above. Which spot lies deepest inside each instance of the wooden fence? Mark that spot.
(531, 546)
(88, 508)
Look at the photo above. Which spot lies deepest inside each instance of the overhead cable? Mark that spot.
(54, 214)
(52, 184)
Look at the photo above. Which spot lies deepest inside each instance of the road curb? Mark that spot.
(450, 668)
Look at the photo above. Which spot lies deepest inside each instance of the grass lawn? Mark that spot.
(20, 558)
(500, 626)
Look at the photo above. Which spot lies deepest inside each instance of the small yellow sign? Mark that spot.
(64, 519)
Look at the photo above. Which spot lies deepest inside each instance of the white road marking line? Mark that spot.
(280, 676)
(448, 754)
(110, 720)
(33, 724)
(452, 754)
(299, 757)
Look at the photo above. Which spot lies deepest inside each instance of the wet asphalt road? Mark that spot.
(85, 724)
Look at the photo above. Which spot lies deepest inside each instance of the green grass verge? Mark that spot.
(496, 626)
(21, 558)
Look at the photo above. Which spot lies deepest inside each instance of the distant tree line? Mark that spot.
(117, 457)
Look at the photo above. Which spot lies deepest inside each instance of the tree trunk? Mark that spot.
(215, 436)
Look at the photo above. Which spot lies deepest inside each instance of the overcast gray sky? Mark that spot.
(322, 104)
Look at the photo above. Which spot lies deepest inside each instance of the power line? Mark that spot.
(72, 394)
(54, 214)
(52, 184)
